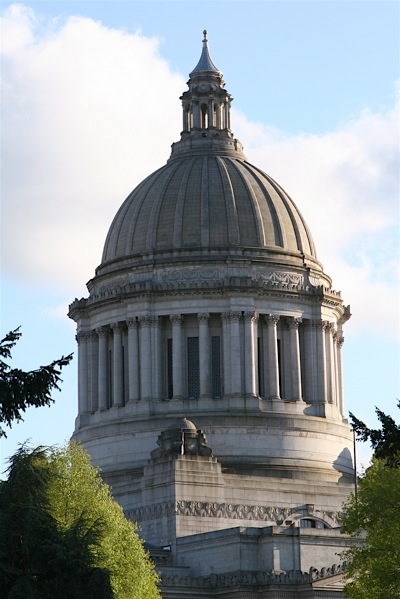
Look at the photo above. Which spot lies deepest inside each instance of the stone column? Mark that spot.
(321, 394)
(204, 353)
(226, 353)
(145, 357)
(177, 364)
(295, 359)
(339, 345)
(250, 353)
(103, 367)
(93, 364)
(330, 369)
(118, 369)
(236, 365)
(83, 391)
(156, 356)
(273, 364)
(196, 114)
(133, 360)
(309, 361)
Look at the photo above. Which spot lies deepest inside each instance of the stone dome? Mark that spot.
(208, 203)
(199, 202)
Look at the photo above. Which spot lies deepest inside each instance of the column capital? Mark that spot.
(132, 323)
(339, 341)
(294, 321)
(176, 318)
(234, 316)
(203, 317)
(155, 321)
(116, 326)
(145, 320)
(83, 336)
(102, 331)
(272, 319)
(250, 316)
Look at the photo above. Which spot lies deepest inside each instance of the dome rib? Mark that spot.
(279, 231)
(151, 237)
(258, 221)
(180, 203)
(204, 206)
(230, 204)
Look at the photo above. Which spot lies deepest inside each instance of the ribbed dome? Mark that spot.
(207, 202)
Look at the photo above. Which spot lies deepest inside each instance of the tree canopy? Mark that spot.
(373, 515)
(374, 565)
(19, 390)
(63, 535)
(385, 441)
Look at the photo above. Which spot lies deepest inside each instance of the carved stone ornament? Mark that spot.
(181, 438)
(283, 278)
(213, 509)
(191, 274)
(254, 578)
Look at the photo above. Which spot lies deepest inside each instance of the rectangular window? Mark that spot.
(193, 367)
(280, 367)
(170, 388)
(216, 367)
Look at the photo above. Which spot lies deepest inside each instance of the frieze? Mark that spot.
(280, 277)
(191, 274)
(273, 514)
(254, 578)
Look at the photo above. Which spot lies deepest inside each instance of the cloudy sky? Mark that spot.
(90, 106)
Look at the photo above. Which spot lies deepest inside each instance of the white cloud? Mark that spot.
(346, 186)
(89, 111)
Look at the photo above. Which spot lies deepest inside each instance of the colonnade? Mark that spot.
(206, 113)
(241, 354)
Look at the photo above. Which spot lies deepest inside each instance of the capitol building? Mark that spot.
(210, 372)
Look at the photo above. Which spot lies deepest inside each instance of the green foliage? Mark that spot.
(64, 535)
(38, 559)
(374, 569)
(384, 441)
(20, 390)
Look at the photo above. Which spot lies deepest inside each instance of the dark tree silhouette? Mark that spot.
(19, 390)
(384, 441)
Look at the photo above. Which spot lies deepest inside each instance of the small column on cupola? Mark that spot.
(206, 105)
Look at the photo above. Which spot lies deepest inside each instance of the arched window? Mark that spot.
(311, 523)
(204, 116)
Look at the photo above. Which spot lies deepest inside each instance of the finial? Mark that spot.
(205, 35)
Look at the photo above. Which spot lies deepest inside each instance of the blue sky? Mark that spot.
(90, 106)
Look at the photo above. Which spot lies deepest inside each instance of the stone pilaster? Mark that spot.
(204, 353)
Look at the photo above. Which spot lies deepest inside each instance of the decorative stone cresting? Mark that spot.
(253, 578)
(214, 509)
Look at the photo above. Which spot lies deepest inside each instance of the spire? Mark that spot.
(206, 107)
(205, 63)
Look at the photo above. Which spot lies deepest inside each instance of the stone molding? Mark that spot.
(209, 509)
(254, 578)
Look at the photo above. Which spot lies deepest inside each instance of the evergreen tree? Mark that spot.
(19, 390)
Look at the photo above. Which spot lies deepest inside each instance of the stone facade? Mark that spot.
(211, 307)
